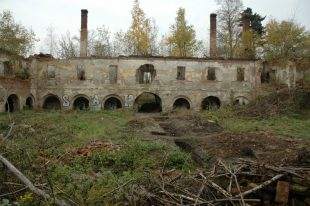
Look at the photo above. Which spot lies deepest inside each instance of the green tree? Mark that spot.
(255, 21)
(141, 33)
(251, 39)
(182, 38)
(286, 41)
(14, 37)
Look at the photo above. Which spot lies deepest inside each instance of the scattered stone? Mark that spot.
(283, 189)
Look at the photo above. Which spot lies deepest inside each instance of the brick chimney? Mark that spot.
(213, 43)
(84, 33)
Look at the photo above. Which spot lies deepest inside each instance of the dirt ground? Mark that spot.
(209, 136)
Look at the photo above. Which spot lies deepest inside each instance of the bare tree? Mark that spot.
(99, 42)
(68, 46)
(229, 29)
(50, 43)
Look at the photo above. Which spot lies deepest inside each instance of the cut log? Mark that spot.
(283, 189)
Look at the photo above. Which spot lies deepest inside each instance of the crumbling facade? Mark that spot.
(146, 84)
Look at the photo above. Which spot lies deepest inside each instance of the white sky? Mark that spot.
(64, 15)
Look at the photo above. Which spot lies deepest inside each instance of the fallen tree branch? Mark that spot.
(29, 184)
(10, 131)
(261, 186)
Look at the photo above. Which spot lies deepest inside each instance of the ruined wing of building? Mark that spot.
(149, 84)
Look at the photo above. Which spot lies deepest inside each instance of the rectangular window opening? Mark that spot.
(240, 74)
(211, 74)
(113, 70)
(181, 73)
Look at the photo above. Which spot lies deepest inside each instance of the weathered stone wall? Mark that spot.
(59, 77)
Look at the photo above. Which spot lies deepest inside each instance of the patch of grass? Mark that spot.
(43, 146)
(291, 125)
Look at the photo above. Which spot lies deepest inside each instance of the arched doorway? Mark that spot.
(81, 103)
(12, 103)
(145, 74)
(210, 103)
(148, 103)
(181, 103)
(52, 102)
(29, 103)
(112, 103)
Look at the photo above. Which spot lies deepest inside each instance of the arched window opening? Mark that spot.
(29, 103)
(146, 74)
(81, 103)
(181, 103)
(240, 101)
(12, 103)
(112, 103)
(211, 103)
(52, 102)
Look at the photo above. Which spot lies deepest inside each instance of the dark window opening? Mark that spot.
(12, 103)
(265, 77)
(113, 70)
(81, 103)
(181, 73)
(51, 74)
(148, 103)
(211, 74)
(7, 68)
(181, 103)
(240, 74)
(29, 103)
(211, 103)
(52, 103)
(112, 103)
(81, 75)
(146, 74)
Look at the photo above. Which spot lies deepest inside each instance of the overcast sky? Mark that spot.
(64, 15)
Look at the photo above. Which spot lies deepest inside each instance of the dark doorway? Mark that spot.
(29, 103)
(12, 103)
(81, 103)
(210, 103)
(181, 103)
(148, 103)
(52, 102)
(112, 103)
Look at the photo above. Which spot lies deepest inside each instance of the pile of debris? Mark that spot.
(278, 102)
(241, 183)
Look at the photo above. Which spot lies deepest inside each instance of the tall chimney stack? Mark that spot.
(213, 43)
(84, 33)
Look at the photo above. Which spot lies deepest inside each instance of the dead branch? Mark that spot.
(10, 131)
(261, 186)
(28, 183)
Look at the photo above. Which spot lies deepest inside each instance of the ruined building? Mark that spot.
(146, 84)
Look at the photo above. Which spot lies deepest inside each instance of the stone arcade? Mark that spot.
(146, 84)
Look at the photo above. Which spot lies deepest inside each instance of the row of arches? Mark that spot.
(12, 103)
(146, 102)
(81, 102)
